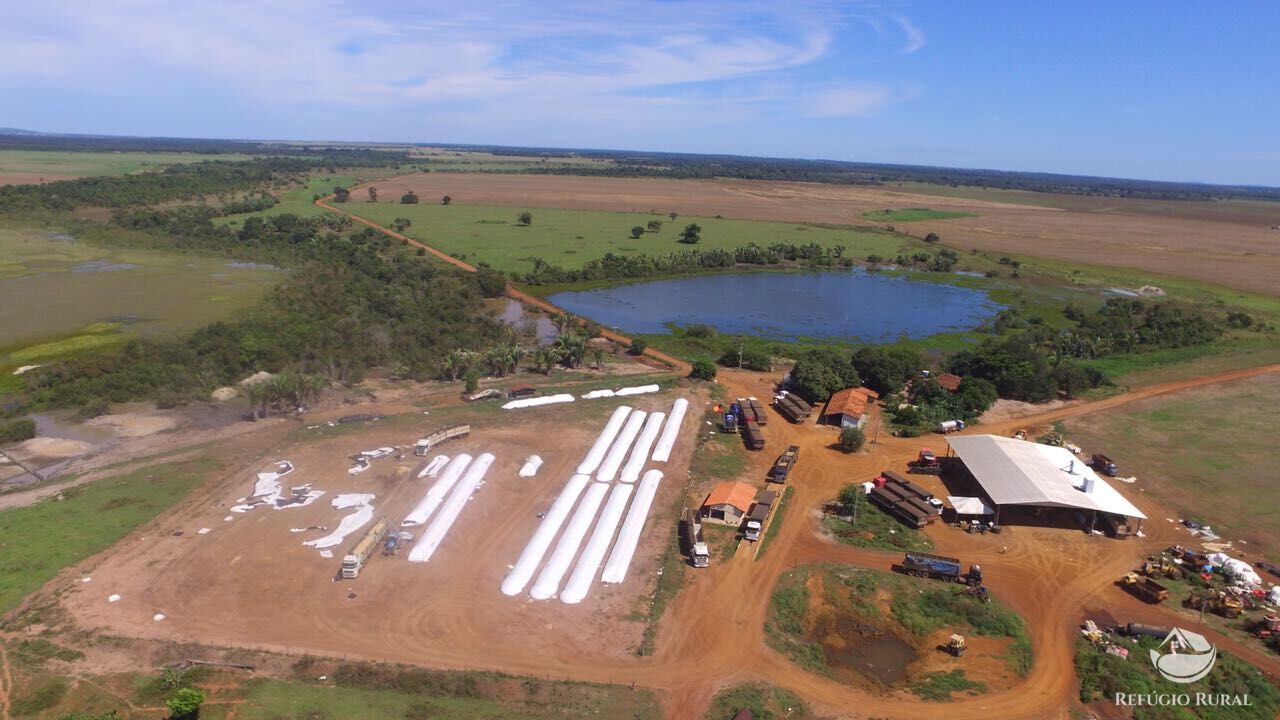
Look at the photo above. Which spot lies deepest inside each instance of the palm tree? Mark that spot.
(545, 358)
(597, 357)
(571, 348)
(254, 393)
(564, 323)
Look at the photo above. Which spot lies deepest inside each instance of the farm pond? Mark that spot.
(870, 307)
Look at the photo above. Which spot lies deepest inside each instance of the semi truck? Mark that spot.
(423, 446)
(926, 463)
(754, 437)
(695, 545)
(949, 426)
(730, 422)
(939, 567)
(759, 514)
(354, 561)
(782, 466)
(1104, 465)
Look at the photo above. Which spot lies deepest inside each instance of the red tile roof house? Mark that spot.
(848, 407)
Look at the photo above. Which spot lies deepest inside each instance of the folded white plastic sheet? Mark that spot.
(640, 453)
(615, 569)
(347, 500)
(537, 546)
(433, 468)
(618, 451)
(435, 496)
(439, 527)
(536, 401)
(349, 524)
(548, 582)
(530, 467)
(637, 390)
(597, 545)
(603, 440)
(667, 440)
(598, 394)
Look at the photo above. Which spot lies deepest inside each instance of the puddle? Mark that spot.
(853, 647)
(514, 315)
(93, 266)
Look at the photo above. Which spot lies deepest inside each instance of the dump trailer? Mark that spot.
(926, 463)
(695, 546)
(758, 410)
(754, 437)
(754, 524)
(788, 410)
(354, 561)
(1104, 464)
(1145, 588)
(897, 507)
(939, 567)
(800, 404)
(782, 466)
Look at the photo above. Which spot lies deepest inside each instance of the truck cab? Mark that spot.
(351, 567)
(700, 556)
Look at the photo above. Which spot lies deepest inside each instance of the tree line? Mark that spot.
(613, 266)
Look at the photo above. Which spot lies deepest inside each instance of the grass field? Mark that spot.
(81, 164)
(59, 295)
(765, 702)
(1202, 453)
(913, 214)
(569, 238)
(875, 529)
(88, 519)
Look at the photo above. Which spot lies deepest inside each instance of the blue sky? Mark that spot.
(1170, 91)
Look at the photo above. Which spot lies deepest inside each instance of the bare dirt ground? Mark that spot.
(27, 178)
(1229, 244)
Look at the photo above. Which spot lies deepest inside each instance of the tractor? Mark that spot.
(955, 645)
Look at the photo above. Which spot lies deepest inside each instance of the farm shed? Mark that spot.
(1015, 472)
(728, 502)
(848, 407)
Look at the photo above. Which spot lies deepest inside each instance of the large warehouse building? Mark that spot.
(1015, 472)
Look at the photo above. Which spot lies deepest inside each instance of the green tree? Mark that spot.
(637, 231)
(849, 496)
(886, 370)
(472, 381)
(525, 218)
(691, 234)
(931, 238)
(409, 198)
(638, 346)
(597, 357)
(185, 704)
(446, 200)
(492, 282)
(822, 371)
(373, 194)
(400, 224)
(976, 395)
(673, 216)
(851, 439)
(703, 369)
(654, 226)
(341, 194)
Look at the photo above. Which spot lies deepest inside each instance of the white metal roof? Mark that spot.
(1018, 472)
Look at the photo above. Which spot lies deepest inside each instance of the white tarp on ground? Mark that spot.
(530, 467)
(640, 453)
(604, 440)
(1018, 472)
(268, 483)
(537, 546)
(618, 451)
(436, 495)
(378, 453)
(347, 500)
(1273, 595)
(349, 524)
(433, 468)
(594, 394)
(1241, 571)
(615, 569)
(536, 401)
(970, 506)
(637, 390)
(671, 431)
(548, 582)
(439, 528)
(597, 545)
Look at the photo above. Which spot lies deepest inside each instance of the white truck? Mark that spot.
(354, 561)
(759, 514)
(691, 535)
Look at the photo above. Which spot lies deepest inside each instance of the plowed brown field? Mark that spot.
(1228, 243)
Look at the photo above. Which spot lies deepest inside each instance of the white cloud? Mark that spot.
(914, 36)
(850, 100)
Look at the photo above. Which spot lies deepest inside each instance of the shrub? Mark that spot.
(703, 369)
(638, 346)
(851, 439)
(185, 704)
(18, 430)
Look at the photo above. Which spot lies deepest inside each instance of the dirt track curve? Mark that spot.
(712, 635)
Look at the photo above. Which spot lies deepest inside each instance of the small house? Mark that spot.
(848, 407)
(728, 502)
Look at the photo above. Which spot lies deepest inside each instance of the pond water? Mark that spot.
(871, 307)
(850, 647)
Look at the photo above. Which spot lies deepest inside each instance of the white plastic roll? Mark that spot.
(667, 440)
(536, 401)
(594, 394)
(433, 468)
(640, 453)
(603, 440)
(449, 512)
(598, 544)
(637, 390)
(615, 570)
(618, 451)
(548, 582)
(532, 554)
(438, 491)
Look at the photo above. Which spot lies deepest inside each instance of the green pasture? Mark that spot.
(59, 295)
(81, 164)
(912, 214)
(569, 238)
(38, 541)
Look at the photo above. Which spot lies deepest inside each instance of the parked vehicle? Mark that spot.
(754, 436)
(1104, 465)
(950, 426)
(754, 524)
(782, 466)
(940, 567)
(758, 411)
(1145, 588)
(695, 546)
(730, 424)
(926, 463)
(354, 561)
